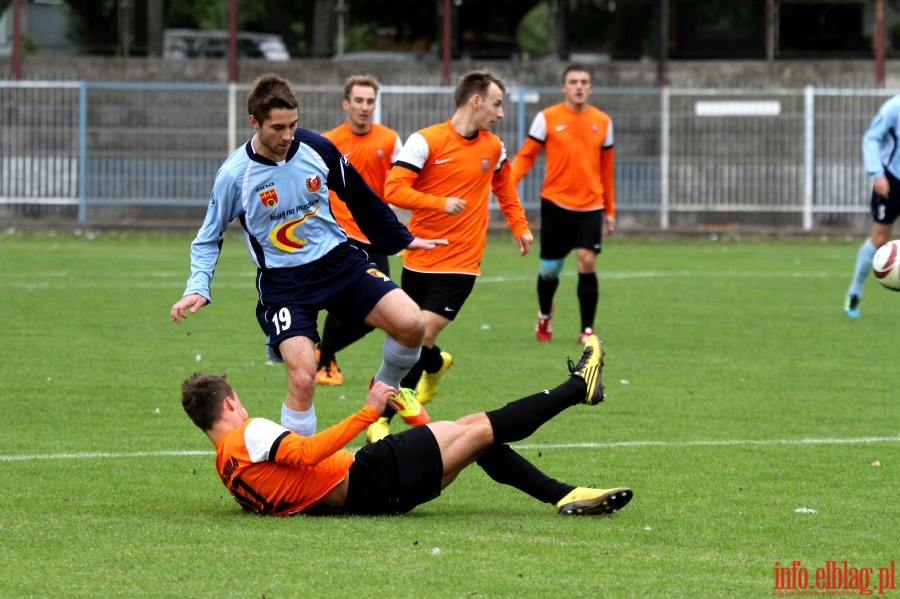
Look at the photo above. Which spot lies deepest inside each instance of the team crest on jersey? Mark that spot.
(269, 197)
(380, 153)
(485, 164)
(595, 128)
(313, 183)
(378, 274)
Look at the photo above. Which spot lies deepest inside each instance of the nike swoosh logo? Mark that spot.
(448, 309)
(561, 127)
(442, 160)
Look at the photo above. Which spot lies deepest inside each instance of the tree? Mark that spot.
(92, 25)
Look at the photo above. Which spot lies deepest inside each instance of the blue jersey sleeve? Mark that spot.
(224, 205)
(376, 219)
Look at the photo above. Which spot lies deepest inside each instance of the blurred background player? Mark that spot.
(577, 196)
(881, 156)
(445, 174)
(371, 148)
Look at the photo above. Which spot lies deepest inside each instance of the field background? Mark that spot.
(738, 394)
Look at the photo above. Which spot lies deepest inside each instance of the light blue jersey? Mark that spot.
(879, 143)
(284, 209)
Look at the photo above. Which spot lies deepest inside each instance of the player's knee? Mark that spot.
(411, 331)
(550, 269)
(879, 239)
(302, 384)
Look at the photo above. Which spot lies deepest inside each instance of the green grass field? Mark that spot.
(738, 394)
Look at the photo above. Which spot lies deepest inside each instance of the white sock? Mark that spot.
(302, 423)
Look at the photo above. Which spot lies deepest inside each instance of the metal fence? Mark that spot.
(684, 157)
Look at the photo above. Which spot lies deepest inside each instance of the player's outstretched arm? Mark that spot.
(426, 244)
(194, 301)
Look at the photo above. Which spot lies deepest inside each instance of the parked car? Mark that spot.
(196, 43)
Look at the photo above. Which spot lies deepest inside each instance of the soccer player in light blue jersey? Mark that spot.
(276, 185)
(881, 156)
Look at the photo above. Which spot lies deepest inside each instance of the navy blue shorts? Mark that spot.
(440, 293)
(395, 474)
(381, 261)
(564, 230)
(344, 282)
(886, 210)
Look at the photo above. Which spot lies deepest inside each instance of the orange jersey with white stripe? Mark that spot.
(437, 163)
(372, 154)
(580, 158)
(271, 470)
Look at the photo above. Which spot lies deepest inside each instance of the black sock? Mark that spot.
(546, 289)
(519, 419)
(588, 294)
(431, 359)
(507, 467)
(415, 373)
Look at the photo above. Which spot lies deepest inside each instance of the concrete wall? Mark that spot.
(722, 73)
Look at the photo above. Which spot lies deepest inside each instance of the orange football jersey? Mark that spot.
(437, 163)
(372, 154)
(580, 158)
(271, 470)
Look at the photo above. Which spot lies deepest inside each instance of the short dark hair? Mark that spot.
(360, 80)
(574, 68)
(202, 397)
(475, 82)
(270, 91)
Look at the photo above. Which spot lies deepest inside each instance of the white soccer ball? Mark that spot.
(886, 265)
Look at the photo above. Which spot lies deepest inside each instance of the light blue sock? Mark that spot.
(396, 362)
(302, 423)
(863, 267)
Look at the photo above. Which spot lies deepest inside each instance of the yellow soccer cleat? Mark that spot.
(378, 430)
(593, 502)
(409, 408)
(427, 387)
(589, 368)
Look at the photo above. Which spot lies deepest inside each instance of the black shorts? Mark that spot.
(442, 294)
(394, 475)
(886, 210)
(564, 230)
(344, 282)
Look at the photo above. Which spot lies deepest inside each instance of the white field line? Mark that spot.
(614, 444)
(158, 280)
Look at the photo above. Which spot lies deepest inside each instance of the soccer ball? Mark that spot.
(886, 265)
